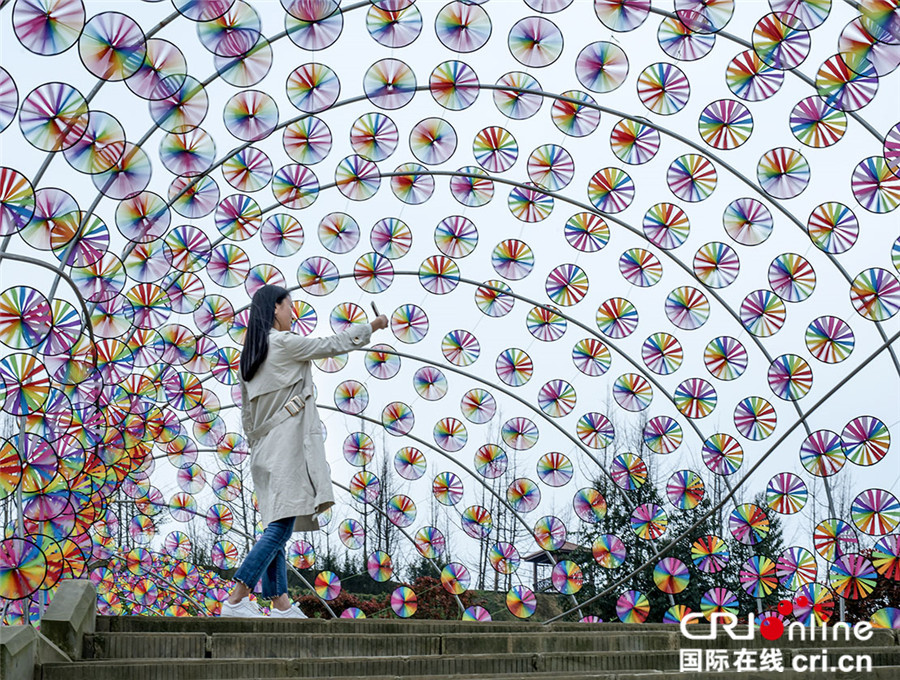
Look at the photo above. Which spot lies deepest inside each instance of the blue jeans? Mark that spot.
(267, 559)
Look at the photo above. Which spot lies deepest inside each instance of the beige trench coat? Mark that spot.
(287, 463)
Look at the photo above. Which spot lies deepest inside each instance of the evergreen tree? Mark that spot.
(618, 522)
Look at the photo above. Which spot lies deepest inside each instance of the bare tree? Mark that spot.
(9, 427)
(380, 532)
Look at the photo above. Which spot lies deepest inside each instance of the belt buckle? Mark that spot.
(294, 405)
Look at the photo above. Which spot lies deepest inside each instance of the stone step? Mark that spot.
(215, 624)
(144, 646)
(405, 627)
(286, 644)
(878, 673)
(407, 667)
(400, 666)
(289, 645)
(319, 645)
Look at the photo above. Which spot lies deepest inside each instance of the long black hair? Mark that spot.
(262, 318)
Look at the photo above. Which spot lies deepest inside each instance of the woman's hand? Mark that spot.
(379, 322)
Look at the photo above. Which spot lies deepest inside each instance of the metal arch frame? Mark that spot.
(711, 291)
(684, 267)
(541, 93)
(589, 208)
(174, 15)
(554, 195)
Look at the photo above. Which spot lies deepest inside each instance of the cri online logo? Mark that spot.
(771, 627)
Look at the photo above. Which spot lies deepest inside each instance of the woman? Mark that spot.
(287, 452)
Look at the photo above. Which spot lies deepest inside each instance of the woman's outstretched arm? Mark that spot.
(303, 348)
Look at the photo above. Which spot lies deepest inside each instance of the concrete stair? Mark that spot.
(148, 648)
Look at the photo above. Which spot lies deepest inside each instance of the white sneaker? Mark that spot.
(243, 609)
(292, 612)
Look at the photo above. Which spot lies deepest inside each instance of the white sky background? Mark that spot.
(875, 391)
